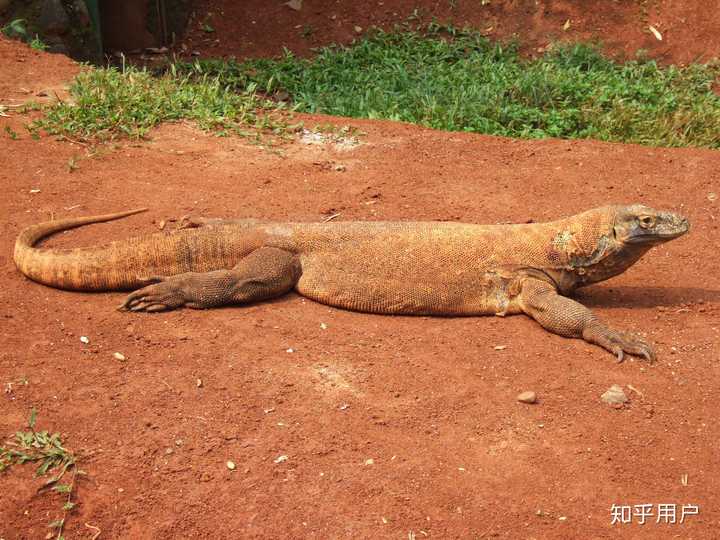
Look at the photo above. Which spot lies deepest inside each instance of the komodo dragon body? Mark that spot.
(421, 268)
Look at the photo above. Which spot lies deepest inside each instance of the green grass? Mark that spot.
(16, 29)
(109, 103)
(457, 80)
(47, 451)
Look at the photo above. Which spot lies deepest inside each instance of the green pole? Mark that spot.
(94, 11)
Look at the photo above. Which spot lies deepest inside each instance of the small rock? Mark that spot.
(199, 383)
(527, 397)
(500, 347)
(370, 461)
(119, 356)
(712, 196)
(34, 191)
(280, 459)
(358, 29)
(231, 465)
(85, 339)
(614, 395)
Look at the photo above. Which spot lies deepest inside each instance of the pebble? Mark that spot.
(85, 339)
(527, 397)
(280, 459)
(614, 395)
(119, 356)
(231, 465)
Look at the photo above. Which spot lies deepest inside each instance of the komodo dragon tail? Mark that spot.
(76, 269)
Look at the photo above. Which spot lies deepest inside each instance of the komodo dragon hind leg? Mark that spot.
(569, 318)
(265, 273)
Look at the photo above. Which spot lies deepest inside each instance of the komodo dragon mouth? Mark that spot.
(410, 268)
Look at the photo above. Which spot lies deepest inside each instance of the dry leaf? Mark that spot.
(566, 25)
(655, 32)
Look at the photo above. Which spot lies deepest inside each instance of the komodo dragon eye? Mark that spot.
(646, 221)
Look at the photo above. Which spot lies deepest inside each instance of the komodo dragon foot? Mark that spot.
(569, 318)
(265, 273)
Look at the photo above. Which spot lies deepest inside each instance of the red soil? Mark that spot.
(689, 29)
(429, 400)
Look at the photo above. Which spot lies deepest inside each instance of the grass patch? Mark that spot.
(48, 452)
(16, 29)
(109, 103)
(456, 80)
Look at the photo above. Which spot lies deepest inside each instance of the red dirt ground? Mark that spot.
(429, 400)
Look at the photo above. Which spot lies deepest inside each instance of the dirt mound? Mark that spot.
(222, 28)
(28, 74)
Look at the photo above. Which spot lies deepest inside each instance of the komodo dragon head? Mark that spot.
(604, 242)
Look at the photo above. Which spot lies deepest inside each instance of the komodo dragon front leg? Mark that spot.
(561, 315)
(265, 273)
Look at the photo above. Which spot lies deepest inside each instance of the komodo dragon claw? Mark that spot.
(620, 343)
(158, 295)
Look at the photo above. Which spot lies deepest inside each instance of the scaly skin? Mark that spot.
(428, 268)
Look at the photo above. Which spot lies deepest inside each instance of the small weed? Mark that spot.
(37, 44)
(48, 452)
(307, 31)
(207, 28)
(11, 133)
(15, 29)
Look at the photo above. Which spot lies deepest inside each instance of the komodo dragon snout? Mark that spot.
(412, 268)
(642, 225)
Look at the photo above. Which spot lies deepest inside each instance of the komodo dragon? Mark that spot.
(422, 268)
